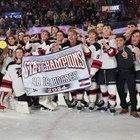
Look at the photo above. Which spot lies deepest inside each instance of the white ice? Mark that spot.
(64, 124)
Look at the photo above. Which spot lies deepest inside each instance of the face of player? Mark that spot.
(135, 39)
(26, 39)
(54, 31)
(11, 41)
(107, 31)
(19, 54)
(100, 28)
(44, 36)
(92, 36)
(59, 36)
(72, 36)
(20, 36)
(131, 28)
(120, 42)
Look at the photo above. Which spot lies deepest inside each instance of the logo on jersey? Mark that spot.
(19, 72)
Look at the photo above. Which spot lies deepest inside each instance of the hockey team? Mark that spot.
(113, 63)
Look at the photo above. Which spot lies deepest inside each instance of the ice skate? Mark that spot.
(47, 106)
(103, 109)
(79, 106)
(46, 102)
(112, 110)
(100, 103)
(43, 108)
(91, 107)
(72, 104)
(84, 103)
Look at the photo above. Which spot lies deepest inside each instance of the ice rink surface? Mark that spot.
(64, 124)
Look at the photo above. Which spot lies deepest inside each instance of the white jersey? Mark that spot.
(9, 58)
(12, 81)
(135, 58)
(31, 46)
(37, 48)
(93, 58)
(108, 56)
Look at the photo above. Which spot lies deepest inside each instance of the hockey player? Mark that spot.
(41, 49)
(60, 39)
(12, 81)
(131, 26)
(10, 56)
(20, 39)
(77, 95)
(126, 73)
(107, 74)
(26, 39)
(54, 30)
(99, 100)
(94, 63)
(39, 46)
(54, 47)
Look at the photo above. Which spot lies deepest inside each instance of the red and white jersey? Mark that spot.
(93, 57)
(31, 46)
(12, 81)
(38, 48)
(108, 56)
(42, 49)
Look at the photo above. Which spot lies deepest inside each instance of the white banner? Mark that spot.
(55, 73)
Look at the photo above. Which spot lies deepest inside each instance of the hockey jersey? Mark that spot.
(108, 56)
(12, 81)
(38, 48)
(93, 57)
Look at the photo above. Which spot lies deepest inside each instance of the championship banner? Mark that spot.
(58, 72)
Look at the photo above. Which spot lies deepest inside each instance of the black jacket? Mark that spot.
(125, 65)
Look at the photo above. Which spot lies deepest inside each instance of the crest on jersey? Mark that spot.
(19, 73)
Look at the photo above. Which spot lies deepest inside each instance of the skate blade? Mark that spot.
(102, 111)
(69, 108)
(79, 111)
(82, 109)
(113, 114)
(48, 110)
(90, 110)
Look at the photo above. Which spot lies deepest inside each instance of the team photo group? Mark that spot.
(35, 68)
